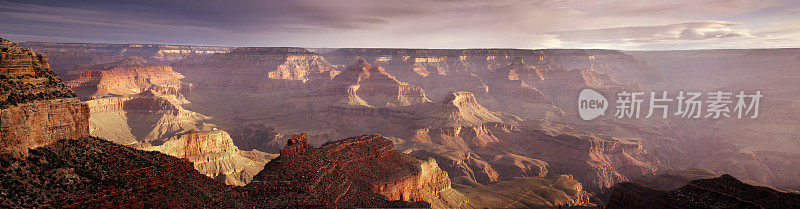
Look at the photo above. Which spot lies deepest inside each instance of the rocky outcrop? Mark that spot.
(37, 109)
(462, 109)
(213, 154)
(25, 76)
(460, 122)
(157, 122)
(457, 163)
(721, 192)
(354, 172)
(362, 84)
(125, 77)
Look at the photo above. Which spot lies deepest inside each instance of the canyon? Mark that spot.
(138, 104)
(454, 128)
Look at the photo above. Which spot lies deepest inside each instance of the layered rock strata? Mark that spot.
(37, 108)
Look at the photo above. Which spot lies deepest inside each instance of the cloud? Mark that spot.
(657, 33)
(394, 23)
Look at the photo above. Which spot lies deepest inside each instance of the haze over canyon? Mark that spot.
(152, 125)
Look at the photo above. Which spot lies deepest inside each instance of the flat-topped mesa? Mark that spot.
(269, 50)
(129, 76)
(37, 108)
(364, 171)
(368, 85)
(66, 56)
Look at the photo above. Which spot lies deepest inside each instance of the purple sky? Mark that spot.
(621, 24)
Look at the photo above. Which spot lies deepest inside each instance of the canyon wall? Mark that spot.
(37, 108)
(69, 55)
(518, 121)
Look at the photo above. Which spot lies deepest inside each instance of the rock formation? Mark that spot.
(460, 122)
(37, 109)
(363, 171)
(213, 154)
(362, 84)
(125, 77)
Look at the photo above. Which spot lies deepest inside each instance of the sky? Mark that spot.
(534, 24)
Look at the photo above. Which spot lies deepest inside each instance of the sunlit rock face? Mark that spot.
(128, 76)
(213, 154)
(37, 108)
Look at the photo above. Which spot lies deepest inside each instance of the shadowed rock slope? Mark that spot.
(721, 192)
(94, 173)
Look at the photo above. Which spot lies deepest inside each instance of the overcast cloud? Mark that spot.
(620, 24)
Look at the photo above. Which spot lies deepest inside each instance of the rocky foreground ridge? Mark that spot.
(95, 173)
(721, 192)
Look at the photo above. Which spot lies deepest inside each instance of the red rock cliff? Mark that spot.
(37, 108)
